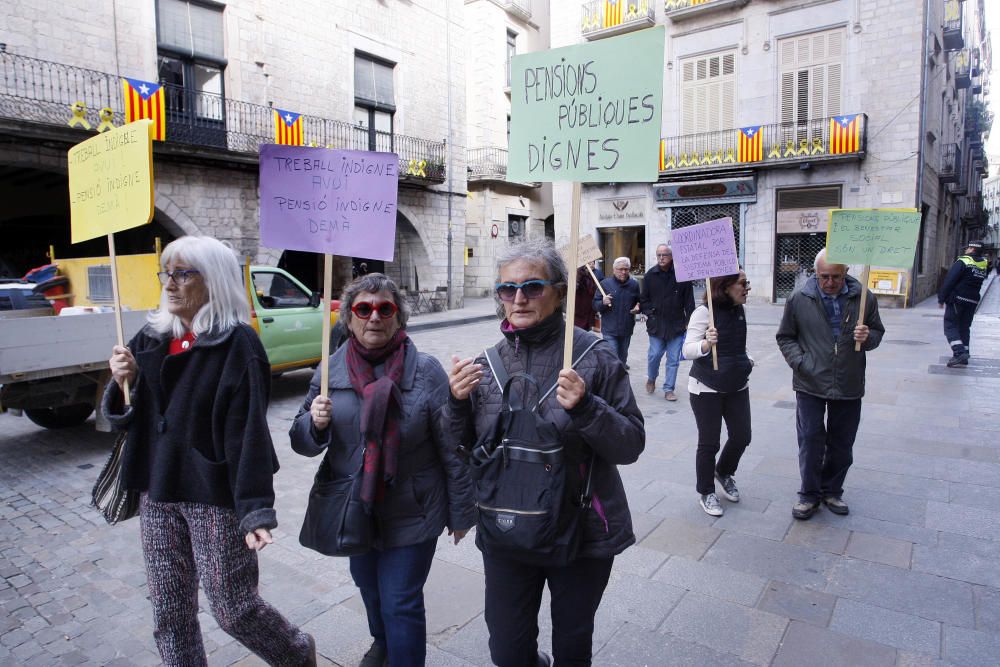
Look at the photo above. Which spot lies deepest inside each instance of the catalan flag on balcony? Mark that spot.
(845, 134)
(751, 146)
(144, 99)
(613, 13)
(287, 128)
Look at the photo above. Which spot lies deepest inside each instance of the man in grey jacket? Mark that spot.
(817, 337)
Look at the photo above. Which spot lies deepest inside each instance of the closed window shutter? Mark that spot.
(708, 95)
(811, 82)
(833, 88)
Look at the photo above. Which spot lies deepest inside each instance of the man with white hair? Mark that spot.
(817, 337)
(618, 307)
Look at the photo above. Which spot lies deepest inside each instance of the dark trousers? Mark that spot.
(957, 323)
(185, 542)
(513, 598)
(620, 344)
(710, 408)
(392, 587)
(825, 448)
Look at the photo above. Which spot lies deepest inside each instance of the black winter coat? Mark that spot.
(666, 303)
(197, 426)
(964, 280)
(607, 422)
(432, 487)
(822, 366)
(618, 319)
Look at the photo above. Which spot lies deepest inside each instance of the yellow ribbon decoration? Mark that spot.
(671, 162)
(730, 155)
(684, 160)
(79, 109)
(818, 146)
(803, 147)
(107, 116)
(790, 149)
(417, 168)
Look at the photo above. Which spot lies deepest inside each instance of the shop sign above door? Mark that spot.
(623, 210)
(803, 221)
(741, 189)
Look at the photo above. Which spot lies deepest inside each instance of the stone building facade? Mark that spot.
(377, 76)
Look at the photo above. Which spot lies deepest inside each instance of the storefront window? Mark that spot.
(630, 242)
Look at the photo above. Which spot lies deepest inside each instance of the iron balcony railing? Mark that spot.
(951, 163)
(678, 10)
(781, 143)
(951, 31)
(521, 8)
(46, 92)
(602, 18)
(963, 68)
(489, 163)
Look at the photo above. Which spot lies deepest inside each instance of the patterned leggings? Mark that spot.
(185, 542)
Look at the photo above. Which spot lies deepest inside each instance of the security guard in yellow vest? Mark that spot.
(959, 295)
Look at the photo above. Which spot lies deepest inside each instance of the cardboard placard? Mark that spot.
(588, 112)
(586, 251)
(705, 250)
(329, 201)
(883, 237)
(111, 181)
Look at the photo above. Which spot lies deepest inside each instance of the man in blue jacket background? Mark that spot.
(959, 295)
(619, 307)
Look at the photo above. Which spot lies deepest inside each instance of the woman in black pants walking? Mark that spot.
(722, 394)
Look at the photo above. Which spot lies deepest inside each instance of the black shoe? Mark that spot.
(376, 656)
(803, 510)
(836, 505)
(960, 359)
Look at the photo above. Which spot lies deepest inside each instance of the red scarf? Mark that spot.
(380, 411)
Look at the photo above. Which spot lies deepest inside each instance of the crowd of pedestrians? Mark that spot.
(426, 450)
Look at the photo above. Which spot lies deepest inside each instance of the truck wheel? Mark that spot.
(61, 417)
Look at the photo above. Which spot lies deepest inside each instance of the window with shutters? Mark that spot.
(811, 87)
(374, 103)
(708, 94)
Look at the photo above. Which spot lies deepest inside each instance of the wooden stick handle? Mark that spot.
(711, 322)
(861, 309)
(119, 326)
(596, 281)
(573, 251)
(324, 363)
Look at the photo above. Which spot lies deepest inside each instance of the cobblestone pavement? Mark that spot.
(910, 577)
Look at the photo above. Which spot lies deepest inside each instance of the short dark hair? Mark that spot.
(373, 283)
(720, 297)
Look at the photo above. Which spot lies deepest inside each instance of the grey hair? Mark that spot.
(373, 283)
(624, 261)
(821, 255)
(535, 251)
(227, 304)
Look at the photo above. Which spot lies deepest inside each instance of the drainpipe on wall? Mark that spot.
(449, 142)
(920, 144)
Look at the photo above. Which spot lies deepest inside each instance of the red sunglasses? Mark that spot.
(364, 309)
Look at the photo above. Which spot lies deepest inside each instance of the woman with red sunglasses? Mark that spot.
(382, 409)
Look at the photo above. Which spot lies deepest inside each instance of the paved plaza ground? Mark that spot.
(910, 577)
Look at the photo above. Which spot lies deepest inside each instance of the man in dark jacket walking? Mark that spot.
(667, 305)
(959, 295)
(618, 308)
(817, 336)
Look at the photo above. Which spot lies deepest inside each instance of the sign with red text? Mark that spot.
(705, 250)
(330, 201)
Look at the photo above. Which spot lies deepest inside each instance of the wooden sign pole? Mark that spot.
(119, 327)
(861, 309)
(711, 322)
(324, 362)
(596, 281)
(572, 251)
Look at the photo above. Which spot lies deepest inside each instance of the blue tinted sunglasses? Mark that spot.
(531, 289)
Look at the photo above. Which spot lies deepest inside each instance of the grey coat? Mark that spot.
(822, 366)
(432, 487)
(607, 422)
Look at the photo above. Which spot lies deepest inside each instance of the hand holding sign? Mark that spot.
(707, 250)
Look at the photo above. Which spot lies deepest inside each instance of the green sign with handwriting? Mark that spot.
(875, 236)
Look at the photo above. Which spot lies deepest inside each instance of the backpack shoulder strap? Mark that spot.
(495, 361)
(580, 349)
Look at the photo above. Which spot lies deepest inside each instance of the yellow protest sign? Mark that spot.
(111, 181)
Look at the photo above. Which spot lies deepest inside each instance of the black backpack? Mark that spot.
(531, 493)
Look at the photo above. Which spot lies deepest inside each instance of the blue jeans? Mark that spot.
(392, 587)
(657, 346)
(620, 345)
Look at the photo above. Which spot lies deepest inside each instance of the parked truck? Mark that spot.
(54, 367)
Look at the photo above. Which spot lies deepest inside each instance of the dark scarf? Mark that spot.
(551, 328)
(380, 411)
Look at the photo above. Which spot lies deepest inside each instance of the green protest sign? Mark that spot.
(876, 236)
(589, 112)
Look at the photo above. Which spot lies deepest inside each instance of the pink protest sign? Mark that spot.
(705, 250)
(328, 201)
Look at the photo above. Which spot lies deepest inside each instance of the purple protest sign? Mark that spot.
(705, 250)
(328, 201)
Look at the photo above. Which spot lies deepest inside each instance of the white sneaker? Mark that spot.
(710, 503)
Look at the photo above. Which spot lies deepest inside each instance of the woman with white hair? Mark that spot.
(199, 450)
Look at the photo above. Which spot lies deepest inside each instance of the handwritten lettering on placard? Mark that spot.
(705, 250)
(328, 201)
(881, 237)
(111, 182)
(588, 113)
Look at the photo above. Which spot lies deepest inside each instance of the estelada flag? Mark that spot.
(613, 13)
(751, 146)
(845, 133)
(287, 128)
(144, 99)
